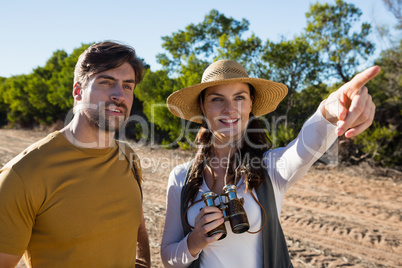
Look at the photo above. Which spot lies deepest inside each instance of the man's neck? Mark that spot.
(80, 133)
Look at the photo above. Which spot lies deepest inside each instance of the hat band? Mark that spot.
(224, 73)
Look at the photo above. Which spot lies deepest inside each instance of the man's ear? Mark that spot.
(77, 91)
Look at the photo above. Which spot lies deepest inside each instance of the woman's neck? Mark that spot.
(221, 149)
(220, 158)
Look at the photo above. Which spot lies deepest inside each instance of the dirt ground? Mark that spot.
(333, 217)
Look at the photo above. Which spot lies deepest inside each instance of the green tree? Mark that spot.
(383, 140)
(36, 90)
(330, 31)
(395, 7)
(43, 96)
(62, 79)
(306, 103)
(152, 92)
(293, 63)
(16, 99)
(216, 37)
(3, 106)
(379, 144)
(388, 86)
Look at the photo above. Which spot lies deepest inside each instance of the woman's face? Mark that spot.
(227, 108)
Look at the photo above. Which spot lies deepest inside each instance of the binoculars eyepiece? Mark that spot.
(232, 210)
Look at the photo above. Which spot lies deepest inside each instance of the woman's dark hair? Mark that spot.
(248, 158)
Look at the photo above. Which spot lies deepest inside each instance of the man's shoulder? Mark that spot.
(36, 151)
(126, 148)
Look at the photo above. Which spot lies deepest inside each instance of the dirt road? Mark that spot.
(333, 217)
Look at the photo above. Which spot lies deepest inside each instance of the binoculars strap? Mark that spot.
(263, 210)
(185, 213)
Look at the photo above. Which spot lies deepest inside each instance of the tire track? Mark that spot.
(331, 224)
(363, 214)
(342, 247)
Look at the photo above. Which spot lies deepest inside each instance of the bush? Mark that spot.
(282, 136)
(381, 144)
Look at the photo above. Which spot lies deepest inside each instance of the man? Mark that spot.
(73, 199)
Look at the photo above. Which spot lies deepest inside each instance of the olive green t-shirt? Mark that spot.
(67, 206)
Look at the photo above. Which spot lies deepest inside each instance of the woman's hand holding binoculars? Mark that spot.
(208, 219)
(209, 223)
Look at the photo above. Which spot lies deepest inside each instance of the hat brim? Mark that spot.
(183, 103)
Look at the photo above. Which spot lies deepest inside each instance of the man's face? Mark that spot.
(107, 98)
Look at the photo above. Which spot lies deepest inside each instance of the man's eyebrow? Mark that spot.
(105, 76)
(129, 81)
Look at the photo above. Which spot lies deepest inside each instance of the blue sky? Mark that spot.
(32, 30)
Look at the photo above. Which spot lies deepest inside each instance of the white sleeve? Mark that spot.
(174, 249)
(287, 165)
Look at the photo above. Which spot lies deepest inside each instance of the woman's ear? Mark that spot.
(201, 104)
(202, 109)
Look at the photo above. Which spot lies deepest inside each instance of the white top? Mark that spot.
(286, 165)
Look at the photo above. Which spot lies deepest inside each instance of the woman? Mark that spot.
(234, 150)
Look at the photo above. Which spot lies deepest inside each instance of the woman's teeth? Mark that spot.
(229, 121)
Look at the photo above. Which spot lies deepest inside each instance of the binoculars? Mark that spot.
(232, 210)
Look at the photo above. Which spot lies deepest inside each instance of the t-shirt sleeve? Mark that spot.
(17, 213)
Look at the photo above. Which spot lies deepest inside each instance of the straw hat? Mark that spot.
(183, 103)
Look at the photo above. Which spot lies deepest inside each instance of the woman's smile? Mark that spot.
(229, 121)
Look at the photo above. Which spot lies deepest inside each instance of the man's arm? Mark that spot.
(8, 260)
(143, 251)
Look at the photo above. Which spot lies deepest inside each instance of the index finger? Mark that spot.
(362, 78)
(211, 209)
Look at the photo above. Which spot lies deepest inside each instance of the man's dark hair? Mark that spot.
(104, 56)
